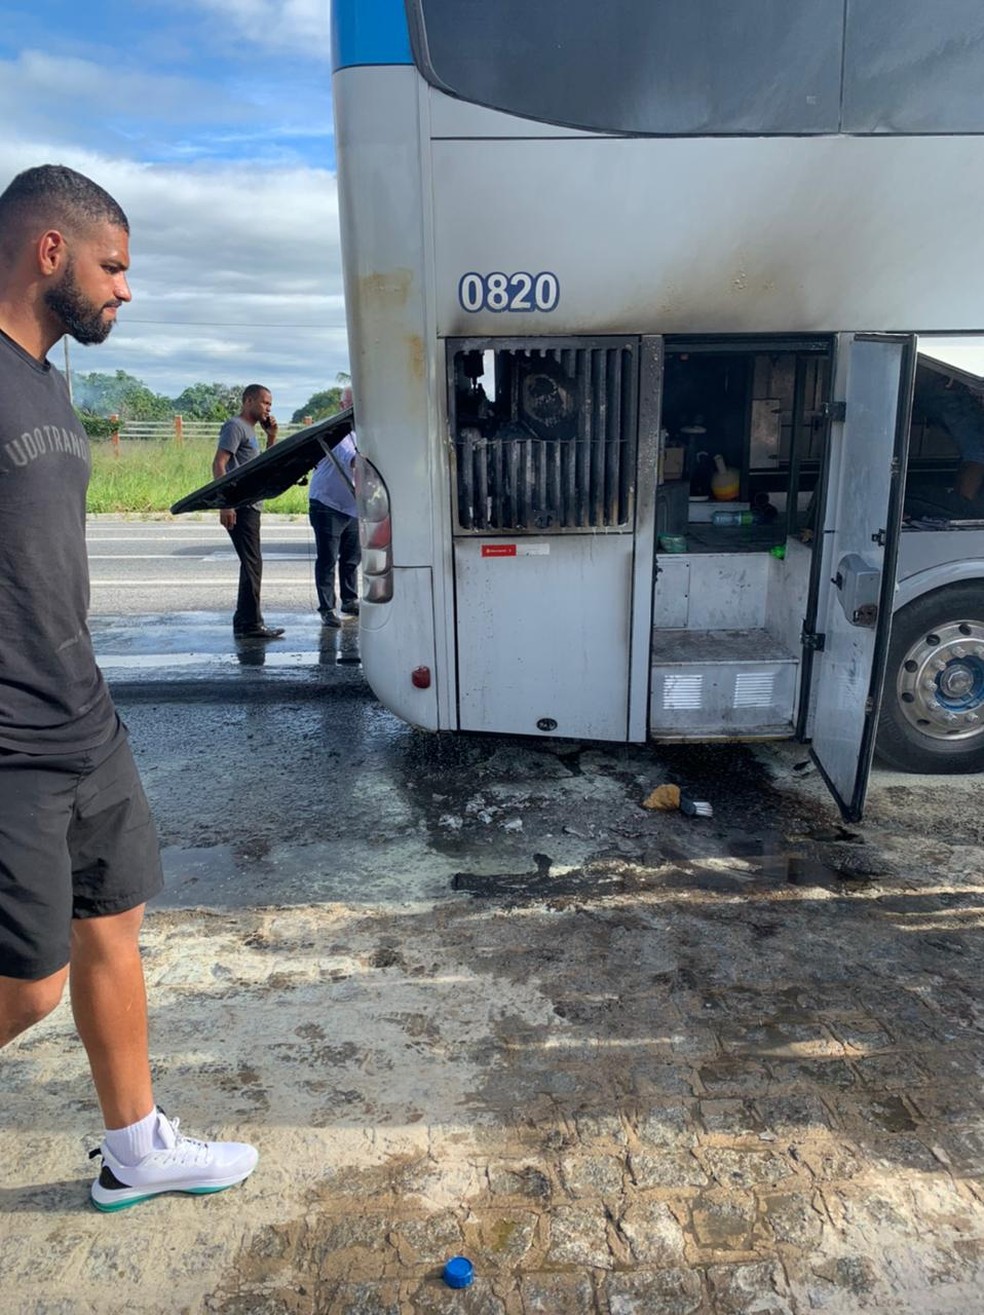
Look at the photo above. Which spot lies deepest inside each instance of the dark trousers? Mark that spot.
(245, 536)
(336, 539)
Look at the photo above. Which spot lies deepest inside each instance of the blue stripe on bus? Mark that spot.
(369, 32)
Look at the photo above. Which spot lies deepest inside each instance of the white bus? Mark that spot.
(607, 264)
(932, 716)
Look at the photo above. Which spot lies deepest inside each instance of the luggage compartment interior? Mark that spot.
(743, 432)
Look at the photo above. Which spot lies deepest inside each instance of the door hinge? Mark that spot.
(879, 537)
(869, 706)
(812, 641)
(835, 412)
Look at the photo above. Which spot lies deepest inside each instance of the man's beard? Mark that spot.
(82, 320)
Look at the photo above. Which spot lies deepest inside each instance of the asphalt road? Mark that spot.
(185, 565)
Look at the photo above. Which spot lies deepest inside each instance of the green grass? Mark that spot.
(148, 475)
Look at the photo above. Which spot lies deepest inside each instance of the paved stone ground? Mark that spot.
(655, 1100)
(701, 1077)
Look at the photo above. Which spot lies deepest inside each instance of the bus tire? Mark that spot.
(932, 715)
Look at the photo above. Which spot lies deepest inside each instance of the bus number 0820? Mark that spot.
(509, 292)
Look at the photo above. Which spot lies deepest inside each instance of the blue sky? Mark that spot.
(210, 122)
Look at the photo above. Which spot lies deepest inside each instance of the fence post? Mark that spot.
(114, 437)
(179, 430)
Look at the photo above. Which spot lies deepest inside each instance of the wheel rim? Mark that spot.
(941, 682)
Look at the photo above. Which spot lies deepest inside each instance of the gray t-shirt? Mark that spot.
(239, 439)
(52, 695)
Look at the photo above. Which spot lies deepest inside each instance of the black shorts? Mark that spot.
(77, 840)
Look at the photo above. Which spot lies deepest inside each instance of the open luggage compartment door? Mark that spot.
(866, 470)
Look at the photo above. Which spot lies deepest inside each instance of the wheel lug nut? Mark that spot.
(959, 650)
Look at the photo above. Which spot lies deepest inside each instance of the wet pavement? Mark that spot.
(469, 997)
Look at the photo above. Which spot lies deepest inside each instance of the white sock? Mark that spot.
(129, 1145)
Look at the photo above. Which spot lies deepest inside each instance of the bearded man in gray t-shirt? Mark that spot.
(79, 856)
(237, 445)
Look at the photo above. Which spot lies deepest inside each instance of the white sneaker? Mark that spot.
(182, 1165)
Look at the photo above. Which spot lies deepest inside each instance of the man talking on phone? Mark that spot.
(237, 445)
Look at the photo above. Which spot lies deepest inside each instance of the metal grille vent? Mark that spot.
(755, 689)
(556, 449)
(682, 693)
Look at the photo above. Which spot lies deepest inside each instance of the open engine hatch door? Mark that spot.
(273, 471)
(867, 461)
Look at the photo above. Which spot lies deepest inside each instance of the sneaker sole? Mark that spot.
(133, 1196)
(111, 1207)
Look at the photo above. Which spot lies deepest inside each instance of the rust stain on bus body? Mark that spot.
(385, 291)
(416, 357)
(385, 306)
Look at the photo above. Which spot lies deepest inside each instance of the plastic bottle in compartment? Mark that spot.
(732, 518)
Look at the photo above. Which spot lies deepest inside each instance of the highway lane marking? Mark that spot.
(268, 554)
(184, 583)
(183, 538)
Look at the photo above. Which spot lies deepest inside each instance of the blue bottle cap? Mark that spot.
(458, 1272)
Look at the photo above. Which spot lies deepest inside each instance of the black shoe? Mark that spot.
(260, 632)
(350, 609)
(330, 620)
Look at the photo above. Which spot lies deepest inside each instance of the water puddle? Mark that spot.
(260, 655)
(798, 870)
(540, 884)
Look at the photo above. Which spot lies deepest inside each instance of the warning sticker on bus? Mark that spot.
(515, 549)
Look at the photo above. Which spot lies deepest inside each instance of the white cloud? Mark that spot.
(301, 25)
(236, 274)
(208, 121)
(67, 95)
(136, 112)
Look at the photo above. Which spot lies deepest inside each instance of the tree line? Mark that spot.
(97, 396)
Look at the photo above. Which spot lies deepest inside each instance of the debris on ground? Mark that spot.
(664, 799)
(695, 807)
(668, 798)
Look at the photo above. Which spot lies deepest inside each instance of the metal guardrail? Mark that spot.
(180, 429)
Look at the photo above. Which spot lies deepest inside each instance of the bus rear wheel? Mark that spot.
(932, 717)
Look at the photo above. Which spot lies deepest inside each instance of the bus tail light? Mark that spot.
(375, 561)
(375, 532)
(377, 588)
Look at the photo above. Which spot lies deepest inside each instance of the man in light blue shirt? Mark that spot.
(332, 512)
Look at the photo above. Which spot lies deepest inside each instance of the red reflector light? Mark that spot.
(421, 677)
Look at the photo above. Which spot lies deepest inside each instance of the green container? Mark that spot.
(672, 543)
